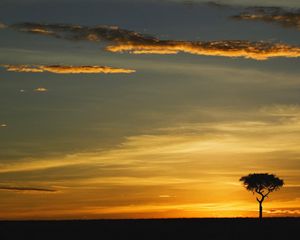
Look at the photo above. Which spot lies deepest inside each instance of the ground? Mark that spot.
(210, 229)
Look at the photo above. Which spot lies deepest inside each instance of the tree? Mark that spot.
(262, 184)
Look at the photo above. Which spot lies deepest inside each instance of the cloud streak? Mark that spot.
(246, 49)
(284, 211)
(121, 40)
(59, 69)
(265, 132)
(26, 189)
(273, 15)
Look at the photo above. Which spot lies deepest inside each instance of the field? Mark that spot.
(210, 229)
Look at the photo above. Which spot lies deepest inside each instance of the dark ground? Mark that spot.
(210, 229)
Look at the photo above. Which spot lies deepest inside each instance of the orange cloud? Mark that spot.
(22, 68)
(284, 211)
(246, 49)
(122, 40)
(84, 69)
(65, 69)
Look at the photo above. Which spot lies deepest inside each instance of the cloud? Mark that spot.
(273, 15)
(121, 40)
(59, 69)
(268, 130)
(77, 32)
(41, 89)
(2, 25)
(217, 4)
(286, 3)
(165, 196)
(280, 110)
(21, 68)
(246, 49)
(284, 211)
(26, 189)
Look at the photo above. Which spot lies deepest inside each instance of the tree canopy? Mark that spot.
(262, 183)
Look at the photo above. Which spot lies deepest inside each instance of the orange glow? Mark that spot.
(170, 174)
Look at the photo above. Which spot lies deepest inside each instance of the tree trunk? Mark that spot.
(260, 210)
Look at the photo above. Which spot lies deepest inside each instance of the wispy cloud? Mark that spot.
(286, 18)
(293, 212)
(239, 3)
(59, 69)
(26, 189)
(121, 40)
(41, 89)
(165, 196)
(266, 132)
(281, 110)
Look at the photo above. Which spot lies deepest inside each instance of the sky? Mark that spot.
(147, 109)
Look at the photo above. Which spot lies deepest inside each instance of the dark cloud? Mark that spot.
(26, 189)
(121, 40)
(218, 4)
(77, 32)
(286, 18)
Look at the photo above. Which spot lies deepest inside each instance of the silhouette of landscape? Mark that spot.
(193, 228)
(261, 184)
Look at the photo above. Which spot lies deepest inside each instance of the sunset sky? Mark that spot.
(147, 109)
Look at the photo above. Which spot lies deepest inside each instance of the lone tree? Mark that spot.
(262, 184)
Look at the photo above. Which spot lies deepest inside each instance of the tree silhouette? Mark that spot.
(262, 184)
